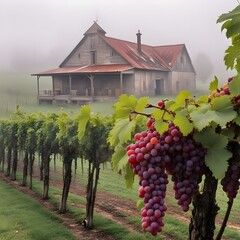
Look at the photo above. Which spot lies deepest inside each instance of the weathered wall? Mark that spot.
(93, 43)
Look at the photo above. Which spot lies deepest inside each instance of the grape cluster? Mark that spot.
(145, 159)
(230, 182)
(186, 166)
(152, 156)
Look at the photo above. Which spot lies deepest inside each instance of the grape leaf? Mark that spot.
(223, 110)
(182, 96)
(237, 120)
(119, 158)
(217, 161)
(157, 114)
(214, 84)
(83, 119)
(129, 176)
(217, 156)
(234, 86)
(180, 100)
(220, 111)
(210, 139)
(121, 132)
(202, 116)
(232, 53)
(202, 99)
(141, 104)
(183, 123)
(232, 14)
(161, 126)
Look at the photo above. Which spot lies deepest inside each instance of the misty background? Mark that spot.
(38, 35)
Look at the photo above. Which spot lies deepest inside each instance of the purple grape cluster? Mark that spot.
(152, 156)
(145, 159)
(186, 165)
(230, 182)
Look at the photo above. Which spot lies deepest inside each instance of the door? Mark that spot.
(159, 87)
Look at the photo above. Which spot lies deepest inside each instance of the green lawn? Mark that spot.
(22, 218)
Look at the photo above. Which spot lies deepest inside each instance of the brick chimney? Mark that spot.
(139, 41)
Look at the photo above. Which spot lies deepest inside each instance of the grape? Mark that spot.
(230, 182)
(161, 104)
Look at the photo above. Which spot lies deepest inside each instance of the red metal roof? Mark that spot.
(152, 58)
(86, 69)
(170, 52)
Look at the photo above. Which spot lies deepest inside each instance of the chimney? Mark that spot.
(139, 41)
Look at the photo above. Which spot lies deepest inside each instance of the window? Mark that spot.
(79, 55)
(93, 57)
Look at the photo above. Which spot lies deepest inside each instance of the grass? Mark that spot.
(22, 218)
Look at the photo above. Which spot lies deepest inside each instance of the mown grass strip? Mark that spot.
(22, 218)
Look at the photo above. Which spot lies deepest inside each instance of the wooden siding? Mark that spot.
(183, 62)
(90, 44)
(183, 81)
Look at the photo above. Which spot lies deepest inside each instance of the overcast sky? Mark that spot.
(39, 34)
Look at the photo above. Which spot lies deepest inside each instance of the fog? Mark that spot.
(38, 35)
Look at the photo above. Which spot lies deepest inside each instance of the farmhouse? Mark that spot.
(101, 68)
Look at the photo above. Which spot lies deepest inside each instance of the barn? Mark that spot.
(101, 68)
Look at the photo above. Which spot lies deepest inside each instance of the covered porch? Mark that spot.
(84, 84)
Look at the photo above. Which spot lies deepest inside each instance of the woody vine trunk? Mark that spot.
(67, 183)
(205, 209)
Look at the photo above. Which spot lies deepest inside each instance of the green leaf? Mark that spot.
(182, 96)
(119, 158)
(234, 86)
(235, 13)
(237, 120)
(158, 114)
(129, 176)
(233, 29)
(121, 132)
(232, 53)
(180, 100)
(217, 156)
(141, 104)
(83, 118)
(214, 84)
(223, 110)
(161, 126)
(210, 139)
(202, 116)
(202, 99)
(181, 120)
(217, 161)
(219, 111)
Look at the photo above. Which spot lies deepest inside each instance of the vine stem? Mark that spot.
(224, 223)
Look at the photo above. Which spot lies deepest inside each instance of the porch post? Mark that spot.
(70, 83)
(92, 87)
(121, 83)
(38, 85)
